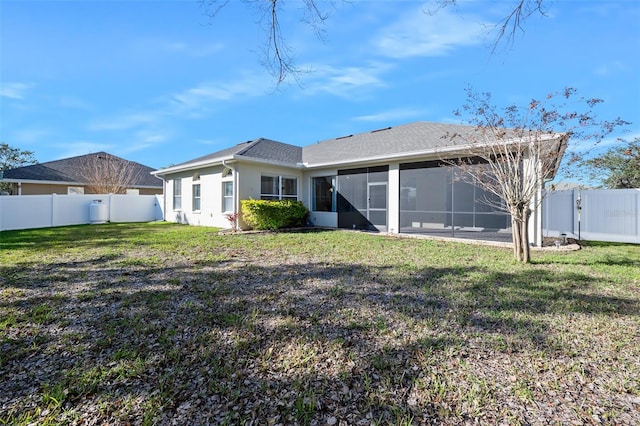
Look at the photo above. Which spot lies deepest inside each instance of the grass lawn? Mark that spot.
(169, 324)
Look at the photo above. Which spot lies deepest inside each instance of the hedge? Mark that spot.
(273, 214)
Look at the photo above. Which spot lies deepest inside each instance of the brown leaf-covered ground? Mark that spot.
(163, 324)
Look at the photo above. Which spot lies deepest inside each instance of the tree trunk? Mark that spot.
(515, 230)
(524, 236)
(520, 230)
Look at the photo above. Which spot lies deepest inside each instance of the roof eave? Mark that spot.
(193, 166)
(563, 141)
(67, 183)
(298, 166)
(41, 182)
(397, 157)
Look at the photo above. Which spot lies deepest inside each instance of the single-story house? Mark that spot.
(85, 174)
(390, 180)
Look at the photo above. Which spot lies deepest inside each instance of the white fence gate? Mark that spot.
(605, 215)
(42, 211)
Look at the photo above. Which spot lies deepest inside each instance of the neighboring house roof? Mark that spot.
(404, 141)
(69, 171)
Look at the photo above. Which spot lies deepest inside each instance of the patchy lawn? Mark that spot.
(168, 324)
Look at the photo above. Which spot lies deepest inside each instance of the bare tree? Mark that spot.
(103, 173)
(508, 27)
(278, 57)
(512, 151)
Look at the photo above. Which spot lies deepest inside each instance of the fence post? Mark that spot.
(637, 212)
(110, 200)
(53, 210)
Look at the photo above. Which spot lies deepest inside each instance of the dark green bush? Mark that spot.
(273, 214)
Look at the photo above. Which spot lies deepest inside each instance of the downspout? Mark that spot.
(164, 200)
(164, 197)
(236, 200)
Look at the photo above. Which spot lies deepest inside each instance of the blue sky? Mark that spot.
(159, 83)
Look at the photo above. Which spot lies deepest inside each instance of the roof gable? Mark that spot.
(270, 150)
(215, 156)
(261, 149)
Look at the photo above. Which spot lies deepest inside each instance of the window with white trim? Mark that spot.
(278, 188)
(227, 196)
(177, 194)
(195, 197)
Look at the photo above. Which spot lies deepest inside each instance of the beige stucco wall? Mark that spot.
(327, 219)
(249, 175)
(246, 186)
(210, 213)
(39, 189)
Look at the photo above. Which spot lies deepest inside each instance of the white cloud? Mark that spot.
(14, 90)
(422, 34)
(81, 148)
(345, 82)
(610, 68)
(155, 46)
(146, 139)
(196, 51)
(74, 103)
(30, 136)
(124, 122)
(199, 98)
(393, 115)
(208, 142)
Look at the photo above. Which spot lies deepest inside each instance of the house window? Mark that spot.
(195, 201)
(177, 194)
(289, 188)
(324, 194)
(269, 188)
(278, 188)
(227, 197)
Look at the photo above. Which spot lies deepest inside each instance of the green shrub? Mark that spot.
(273, 214)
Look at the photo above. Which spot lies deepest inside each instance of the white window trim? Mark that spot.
(224, 197)
(193, 198)
(177, 181)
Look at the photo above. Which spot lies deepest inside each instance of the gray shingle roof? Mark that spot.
(218, 155)
(267, 149)
(257, 149)
(391, 141)
(69, 170)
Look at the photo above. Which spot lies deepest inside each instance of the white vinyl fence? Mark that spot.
(42, 211)
(605, 215)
